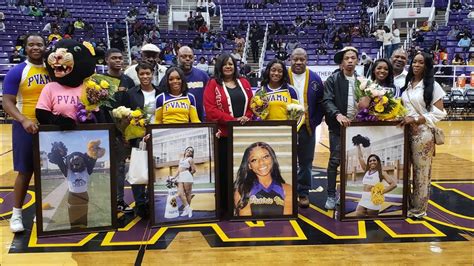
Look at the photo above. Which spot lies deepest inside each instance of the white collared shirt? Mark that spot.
(399, 82)
(298, 84)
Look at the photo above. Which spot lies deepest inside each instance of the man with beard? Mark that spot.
(196, 79)
(310, 88)
(399, 60)
(21, 89)
(149, 53)
(340, 108)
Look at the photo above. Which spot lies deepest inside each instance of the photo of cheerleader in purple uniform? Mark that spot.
(259, 188)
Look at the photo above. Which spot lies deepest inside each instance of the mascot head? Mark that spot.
(70, 62)
(76, 161)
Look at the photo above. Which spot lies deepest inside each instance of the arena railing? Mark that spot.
(107, 34)
(448, 10)
(221, 18)
(170, 17)
(458, 70)
(262, 53)
(432, 12)
(157, 15)
(246, 46)
(128, 43)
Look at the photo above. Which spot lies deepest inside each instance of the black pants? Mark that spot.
(78, 206)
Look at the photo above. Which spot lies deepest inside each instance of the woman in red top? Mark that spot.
(226, 98)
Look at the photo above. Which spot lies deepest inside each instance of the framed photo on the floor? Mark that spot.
(262, 170)
(182, 186)
(74, 179)
(374, 171)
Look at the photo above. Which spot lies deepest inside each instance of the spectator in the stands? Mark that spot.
(434, 26)
(444, 71)
(55, 35)
(135, 49)
(465, 43)
(292, 45)
(366, 61)
(470, 62)
(456, 6)
(244, 69)
(281, 54)
(130, 18)
(117, 42)
(378, 36)
(220, 41)
(436, 47)
(199, 20)
(16, 58)
(154, 35)
(321, 50)
(242, 25)
(443, 54)
(79, 24)
(239, 43)
(203, 29)
(425, 27)
(453, 32)
(150, 13)
(417, 37)
(337, 43)
(340, 6)
(309, 7)
(2, 24)
(396, 37)
(190, 21)
(202, 65)
(36, 12)
(458, 60)
(197, 42)
(212, 8)
(298, 22)
(208, 44)
(235, 54)
(319, 7)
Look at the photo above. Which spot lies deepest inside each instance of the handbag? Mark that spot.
(138, 170)
(437, 132)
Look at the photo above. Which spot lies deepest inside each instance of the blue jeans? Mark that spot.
(139, 194)
(334, 162)
(305, 153)
(388, 50)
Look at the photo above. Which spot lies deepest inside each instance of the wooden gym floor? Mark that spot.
(436, 241)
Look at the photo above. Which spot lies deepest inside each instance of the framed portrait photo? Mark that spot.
(74, 179)
(262, 170)
(182, 184)
(374, 171)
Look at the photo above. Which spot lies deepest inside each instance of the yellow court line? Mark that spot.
(132, 205)
(25, 206)
(360, 224)
(299, 233)
(448, 224)
(33, 242)
(449, 212)
(255, 224)
(130, 225)
(328, 213)
(436, 232)
(436, 184)
(108, 239)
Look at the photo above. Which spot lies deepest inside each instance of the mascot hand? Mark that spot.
(93, 149)
(58, 152)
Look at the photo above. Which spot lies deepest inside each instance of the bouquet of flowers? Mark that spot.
(376, 103)
(376, 193)
(294, 111)
(98, 91)
(259, 104)
(130, 123)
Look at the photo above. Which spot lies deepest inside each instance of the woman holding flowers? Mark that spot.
(382, 74)
(423, 99)
(276, 89)
(141, 99)
(373, 188)
(227, 98)
(175, 105)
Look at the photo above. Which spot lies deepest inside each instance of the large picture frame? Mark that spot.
(75, 182)
(183, 187)
(374, 171)
(262, 166)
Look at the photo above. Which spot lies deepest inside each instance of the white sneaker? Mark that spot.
(185, 211)
(16, 224)
(190, 212)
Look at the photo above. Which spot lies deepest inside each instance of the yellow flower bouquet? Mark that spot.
(130, 123)
(376, 103)
(259, 104)
(98, 90)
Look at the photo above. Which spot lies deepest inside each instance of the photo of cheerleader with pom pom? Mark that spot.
(74, 180)
(374, 174)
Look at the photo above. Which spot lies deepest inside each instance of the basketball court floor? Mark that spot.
(445, 236)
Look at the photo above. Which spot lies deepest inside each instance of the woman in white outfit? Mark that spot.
(373, 175)
(185, 179)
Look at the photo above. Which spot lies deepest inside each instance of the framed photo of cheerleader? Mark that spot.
(262, 170)
(74, 179)
(182, 186)
(374, 171)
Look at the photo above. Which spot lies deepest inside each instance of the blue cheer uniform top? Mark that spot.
(267, 201)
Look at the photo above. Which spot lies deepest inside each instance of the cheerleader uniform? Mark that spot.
(172, 109)
(366, 200)
(267, 201)
(185, 176)
(278, 99)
